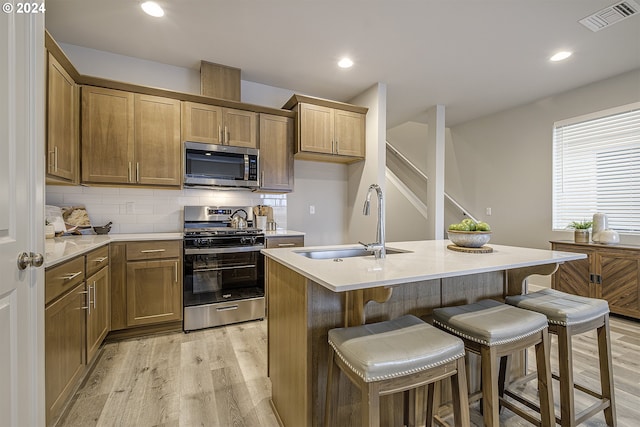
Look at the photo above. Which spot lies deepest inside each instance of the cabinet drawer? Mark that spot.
(153, 250)
(284, 242)
(62, 278)
(97, 259)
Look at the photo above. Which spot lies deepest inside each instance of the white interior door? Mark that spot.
(21, 216)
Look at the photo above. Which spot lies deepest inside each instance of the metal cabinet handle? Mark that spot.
(129, 171)
(71, 276)
(88, 300)
(235, 267)
(55, 158)
(283, 245)
(230, 307)
(137, 171)
(95, 295)
(101, 259)
(176, 266)
(226, 135)
(150, 251)
(51, 160)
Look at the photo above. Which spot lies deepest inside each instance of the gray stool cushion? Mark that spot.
(394, 348)
(561, 308)
(489, 322)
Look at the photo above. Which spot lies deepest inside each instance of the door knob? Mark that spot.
(29, 259)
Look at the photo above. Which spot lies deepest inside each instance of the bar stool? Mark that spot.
(392, 356)
(493, 330)
(570, 315)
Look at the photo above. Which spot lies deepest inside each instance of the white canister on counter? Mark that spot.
(261, 222)
(599, 225)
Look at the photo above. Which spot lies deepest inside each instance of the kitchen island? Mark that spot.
(313, 289)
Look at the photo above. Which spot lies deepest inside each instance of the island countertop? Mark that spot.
(425, 260)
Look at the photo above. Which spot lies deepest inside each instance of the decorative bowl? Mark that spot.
(469, 239)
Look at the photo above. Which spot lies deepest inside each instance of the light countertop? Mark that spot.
(427, 259)
(60, 249)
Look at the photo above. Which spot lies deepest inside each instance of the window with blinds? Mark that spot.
(596, 168)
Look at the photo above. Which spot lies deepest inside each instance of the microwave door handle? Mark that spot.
(246, 167)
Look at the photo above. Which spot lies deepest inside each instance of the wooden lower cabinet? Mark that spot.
(283, 241)
(154, 293)
(64, 348)
(609, 272)
(98, 310)
(146, 284)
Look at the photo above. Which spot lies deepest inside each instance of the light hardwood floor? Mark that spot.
(217, 377)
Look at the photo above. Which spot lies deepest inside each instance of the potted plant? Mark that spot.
(581, 231)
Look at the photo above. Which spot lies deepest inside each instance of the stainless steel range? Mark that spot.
(223, 267)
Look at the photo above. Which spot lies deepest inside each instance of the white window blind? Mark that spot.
(596, 168)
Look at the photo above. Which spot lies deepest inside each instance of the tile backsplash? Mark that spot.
(139, 210)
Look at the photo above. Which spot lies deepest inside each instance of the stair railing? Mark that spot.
(416, 170)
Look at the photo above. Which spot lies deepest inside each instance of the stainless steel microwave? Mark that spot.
(210, 165)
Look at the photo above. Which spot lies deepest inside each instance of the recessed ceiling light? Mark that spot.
(560, 56)
(345, 63)
(152, 8)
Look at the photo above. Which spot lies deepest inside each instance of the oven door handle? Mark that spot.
(206, 251)
(200, 270)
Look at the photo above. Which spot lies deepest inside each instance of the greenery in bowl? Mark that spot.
(580, 225)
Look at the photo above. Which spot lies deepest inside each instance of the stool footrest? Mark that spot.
(592, 410)
(515, 409)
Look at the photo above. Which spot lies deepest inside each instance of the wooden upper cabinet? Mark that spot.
(328, 130)
(316, 128)
(240, 128)
(157, 140)
(212, 124)
(130, 138)
(201, 123)
(107, 136)
(276, 153)
(349, 133)
(62, 124)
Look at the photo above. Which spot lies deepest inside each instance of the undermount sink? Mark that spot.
(344, 253)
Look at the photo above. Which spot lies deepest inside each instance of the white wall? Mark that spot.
(504, 161)
(323, 186)
(370, 171)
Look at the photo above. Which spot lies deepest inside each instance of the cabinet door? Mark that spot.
(349, 133)
(316, 128)
(240, 128)
(573, 277)
(64, 325)
(157, 141)
(98, 311)
(62, 124)
(276, 153)
(201, 123)
(154, 291)
(107, 136)
(620, 285)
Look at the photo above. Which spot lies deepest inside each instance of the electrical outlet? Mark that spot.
(312, 209)
(488, 211)
(131, 207)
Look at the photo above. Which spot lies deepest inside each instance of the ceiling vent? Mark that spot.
(610, 15)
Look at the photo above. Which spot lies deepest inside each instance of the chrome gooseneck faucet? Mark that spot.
(377, 247)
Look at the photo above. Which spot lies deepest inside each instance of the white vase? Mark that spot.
(599, 224)
(609, 237)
